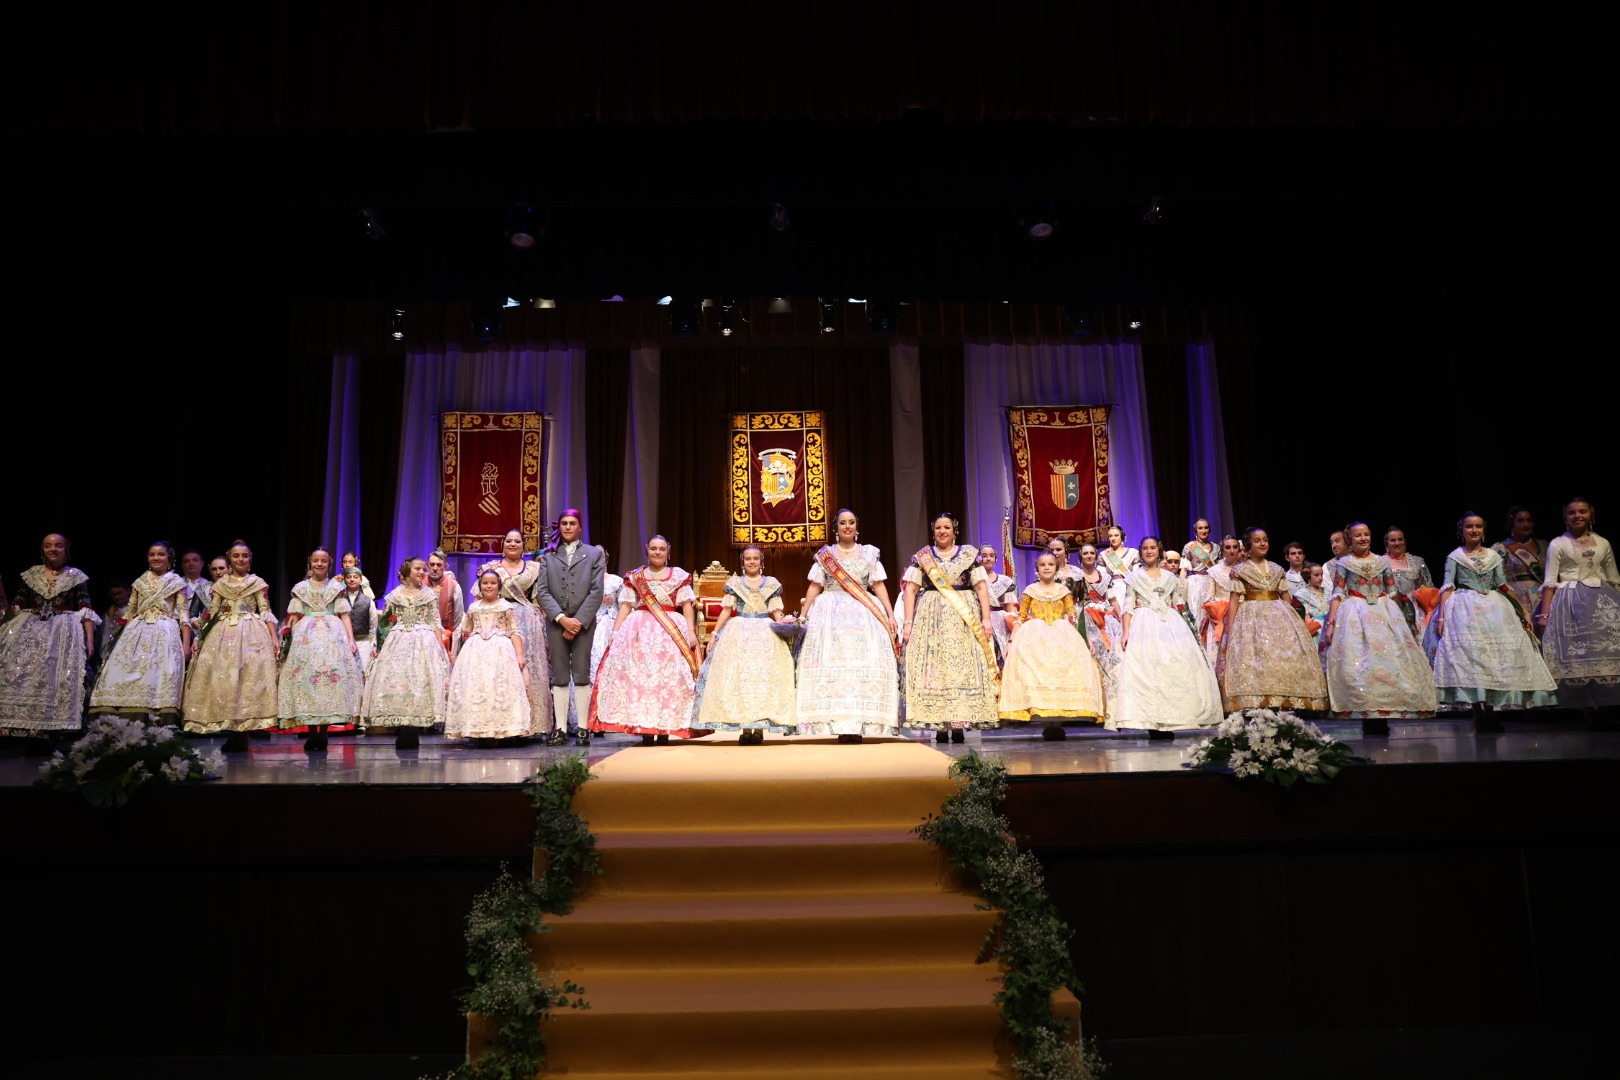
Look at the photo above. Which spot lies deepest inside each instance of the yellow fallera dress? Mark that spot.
(1050, 672)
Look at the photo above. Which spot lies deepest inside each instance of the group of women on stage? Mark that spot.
(1136, 638)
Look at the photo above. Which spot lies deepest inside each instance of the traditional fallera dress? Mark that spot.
(1270, 660)
(1102, 628)
(603, 629)
(320, 681)
(1485, 656)
(1196, 560)
(1581, 641)
(848, 681)
(648, 677)
(42, 653)
(1411, 577)
(146, 671)
(232, 683)
(518, 590)
(1164, 680)
(1524, 564)
(410, 677)
(1375, 668)
(1002, 591)
(1315, 602)
(1050, 672)
(747, 678)
(1211, 629)
(488, 696)
(951, 676)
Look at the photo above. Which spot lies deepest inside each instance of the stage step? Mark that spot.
(745, 806)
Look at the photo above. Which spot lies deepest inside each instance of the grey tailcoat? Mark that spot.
(572, 589)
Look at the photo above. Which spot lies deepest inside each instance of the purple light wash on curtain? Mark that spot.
(1103, 374)
(340, 514)
(1210, 488)
(638, 506)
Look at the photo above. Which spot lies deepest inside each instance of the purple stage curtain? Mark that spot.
(638, 506)
(1209, 487)
(547, 380)
(340, 510)
(1102, 374)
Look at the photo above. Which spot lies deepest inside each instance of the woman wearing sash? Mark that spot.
(1523, 557)
(1580, 614)
(1197, 556)
(1165, 683)
(952, 682)
(746, 682)
(518, 576)
(231, 687)
(1098, 618)
(144, 672)
(1269, 661)
(1117, 558)
(647, 682)
(848, 683)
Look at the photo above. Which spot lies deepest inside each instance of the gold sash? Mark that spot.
(846, 581)
(638, 581)
(925, 559)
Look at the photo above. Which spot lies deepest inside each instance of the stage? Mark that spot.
(309, 909)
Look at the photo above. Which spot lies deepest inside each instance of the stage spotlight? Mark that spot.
(1077, 320)
(827, 317)
(371, 222)
(523, 227)
(885, 316)
(780, 305)
(396, 324)
(512, 302)
(665, 301)
(545, 304)
(728, 318)
(1134, 324)
(685, 318)
(485, 321)
(1153, 210)
(779, 218)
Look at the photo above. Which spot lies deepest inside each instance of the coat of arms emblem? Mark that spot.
(777, 469)
(1065, 485)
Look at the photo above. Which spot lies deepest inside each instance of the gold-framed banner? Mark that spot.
(494, 467)
(1060, 473)
(778, 479)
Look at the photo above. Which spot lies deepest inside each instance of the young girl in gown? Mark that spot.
(1375, 668)
(1484, 649)
(649, 672)
(145, 671)
(1269, 660)
(320, 681)
(1049, 672)
(1098, 619)
(746, 683)
(408, 680)
(518, 576)
(231, 686)
(1165, 683)
(1580, 613)
(45, 647)
(1524, 558)
(488, 698)
(1314, 599)
(1210, 616)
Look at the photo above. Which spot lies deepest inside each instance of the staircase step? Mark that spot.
(994, 1070)
(740, 806)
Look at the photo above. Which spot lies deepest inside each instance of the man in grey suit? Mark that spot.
(569, 591)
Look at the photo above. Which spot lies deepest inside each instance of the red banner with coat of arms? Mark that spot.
(1060, 473)
(493, 468)
(778, 478)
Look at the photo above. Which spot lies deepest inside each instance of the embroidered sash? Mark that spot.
(846, 581)
(649, 600)
(930, 566)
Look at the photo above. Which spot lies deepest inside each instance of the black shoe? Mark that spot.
(942, 735)
(407, 740)
(663, 740)
(1372, 726)
(1053, 732)
(1157, 735)
(849, 738)
(958, 735)
(236, 742)
(557, 738)
(648, 740)
(583, 736)
(315, 744)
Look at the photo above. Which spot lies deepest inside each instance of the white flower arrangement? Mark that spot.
(115, 756)
(1275, 746)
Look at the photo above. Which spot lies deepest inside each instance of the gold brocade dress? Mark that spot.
(1050, 671)
(949, 681)
(232, 684)
(1270, 662)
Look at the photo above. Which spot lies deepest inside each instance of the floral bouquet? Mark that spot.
(115, 756)
(1274, 746)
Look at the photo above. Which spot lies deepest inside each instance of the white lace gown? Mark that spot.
(408, 682)
(1165, 683)
(647, 685)
(848, 677)
(1485, 656)
(1582, 638)
(42, 653)
(146, 669)
(603, 629)
(517, 589)
(320, 682)
(747, 677)
(489, 698)
(1375, 668)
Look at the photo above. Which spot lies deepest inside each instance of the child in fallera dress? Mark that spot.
(1314, 599)
(231, 686)
(1050, 671)
(143, 674)
(1164, 681)
(320, 681)
(407, 683)
(488, 699)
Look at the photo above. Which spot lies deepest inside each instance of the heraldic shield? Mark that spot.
(1065, 485)
(777, 469)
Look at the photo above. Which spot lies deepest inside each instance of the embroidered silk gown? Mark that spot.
(320, 681)
(1525, 567)
(1409, 579)
(1315, 602)
(1270, 661)
(518, 590)
(1097, 603)
(1164, 681)
(1582, 637)
(145, 672)
(647, 686)
(488, 696)
(950, 682)
(43, 655)
(1485, 656)
(1050, 671)
(747, 678)
(1196, 560)
(232, 683)
(410, 677)
(848, 683)
(1375, 667)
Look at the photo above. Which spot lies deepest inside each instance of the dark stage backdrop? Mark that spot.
(701, 387)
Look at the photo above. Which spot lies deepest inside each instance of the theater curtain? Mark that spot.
(1209, 488)
(607, 391)
(638, 496)
(698, 390)
(1099, 374)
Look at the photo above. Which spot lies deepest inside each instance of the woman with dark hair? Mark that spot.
(1580, 613)
(1269, 661)
(1165, 683)
(231, 687)
(952, 681)
(409, 679)
(1524, 558)
(847, 681)
(1411, 574)
(145, 673)
(46, 645)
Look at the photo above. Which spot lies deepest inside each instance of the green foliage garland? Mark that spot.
(1031, 941)
(507, 989)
